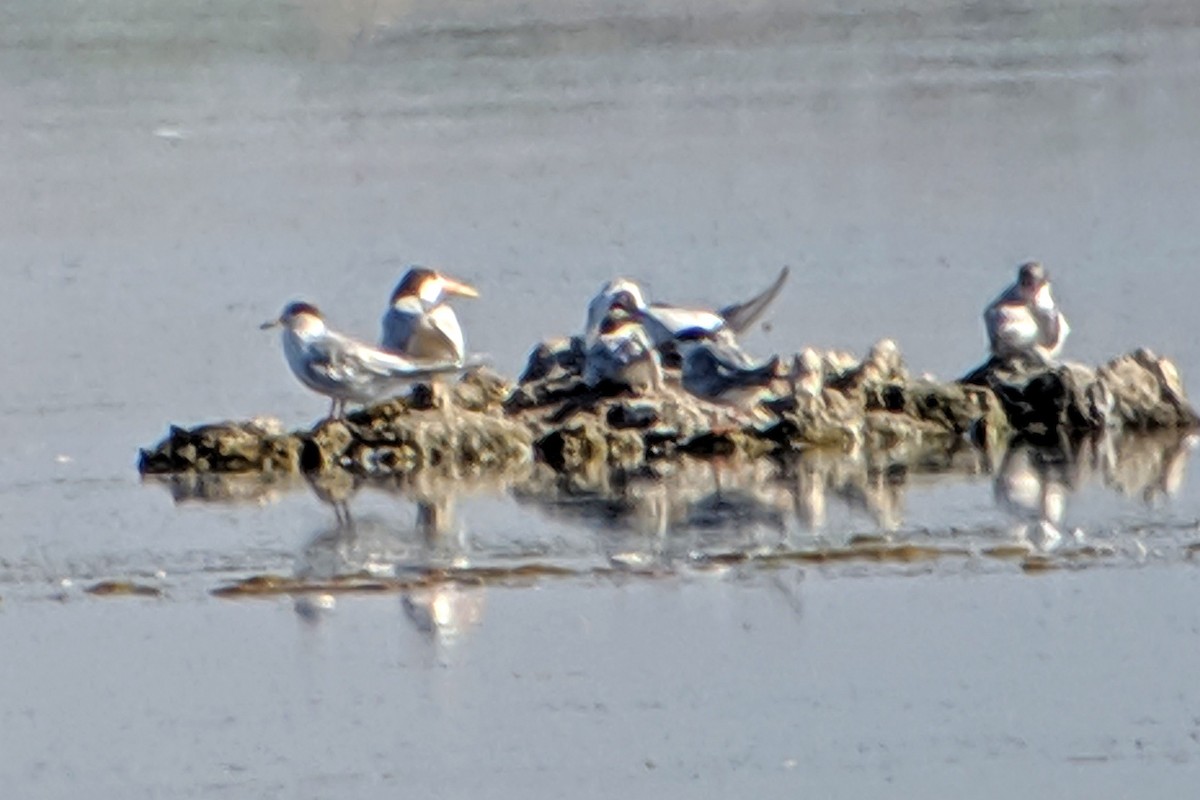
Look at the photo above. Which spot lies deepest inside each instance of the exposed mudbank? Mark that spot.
(552, 417)
(843, 513)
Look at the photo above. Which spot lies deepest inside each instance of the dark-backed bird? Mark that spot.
(664, 323)
(623, 355)
(716, 368)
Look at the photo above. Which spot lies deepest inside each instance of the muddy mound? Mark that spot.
(817, 400)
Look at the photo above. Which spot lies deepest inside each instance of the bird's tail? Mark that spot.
(476, 360)
(757, 376)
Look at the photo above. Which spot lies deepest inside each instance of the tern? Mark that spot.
(664, 323)
(716, 369)
(1024, 321)
(623, 354)
(341, 368)
(419, 322)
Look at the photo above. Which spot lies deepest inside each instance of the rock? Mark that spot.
(820, 401)
(1146, 392)
(631, 415)
(828, 420)
(227, 446)
(1138, 390)
(554, 360)
(482, 389)
(573, 448)
(883, 364)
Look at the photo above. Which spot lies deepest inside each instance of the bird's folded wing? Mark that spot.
(396, 328)
(743, 372)
(354, 361)
(676, 320)
(1052, 325)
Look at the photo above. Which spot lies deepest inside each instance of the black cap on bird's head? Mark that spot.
(292, 311)
(430, 286)
(618, 317)
(1032, 275)
(300, 307)
(412, 281)
(621, 303)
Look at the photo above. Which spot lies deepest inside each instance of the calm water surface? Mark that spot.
(174, 173)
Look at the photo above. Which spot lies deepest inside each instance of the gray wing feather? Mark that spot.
(422, 333)
(664, 322)
(397, 328)
(359, 364)
(741, 316)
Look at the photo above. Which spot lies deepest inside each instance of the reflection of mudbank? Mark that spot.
(258, 488)
(1151, 466)
(689, 505)
(373, 547)
(692, 512)
(1033, 484)
(690, 509)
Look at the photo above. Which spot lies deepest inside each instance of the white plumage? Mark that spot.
(1024, 321)
(342, 368)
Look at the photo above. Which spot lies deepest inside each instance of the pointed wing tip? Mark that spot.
(741, 316)
(477, 360)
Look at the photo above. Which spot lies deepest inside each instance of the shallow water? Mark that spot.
(174, 173)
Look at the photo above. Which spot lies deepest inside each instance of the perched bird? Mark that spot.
(807, 375)
(716, 369)
(419, 322)
(341, 368)
(1024, 321)
(623, 354)
(664, 323)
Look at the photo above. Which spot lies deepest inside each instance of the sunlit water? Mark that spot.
(173, 173)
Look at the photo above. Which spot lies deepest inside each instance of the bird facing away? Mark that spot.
(419, 322)
(664, 323)
(1024, 322)
(716, 369)
(622, 354)
(341, 368)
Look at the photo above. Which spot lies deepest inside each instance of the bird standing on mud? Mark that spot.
(1024, 322)
(664, 323)
(419, 322)
(622, 354)
(341, 368)
(716, 369)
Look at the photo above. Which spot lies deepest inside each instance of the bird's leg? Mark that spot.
(333, 408)
(341, 513)
(443, 395)
(656, 374)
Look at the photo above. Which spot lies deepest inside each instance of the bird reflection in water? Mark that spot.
(863, 487)
(1033, 483)
(1031, 486)
(373, 546)
(684, 509)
